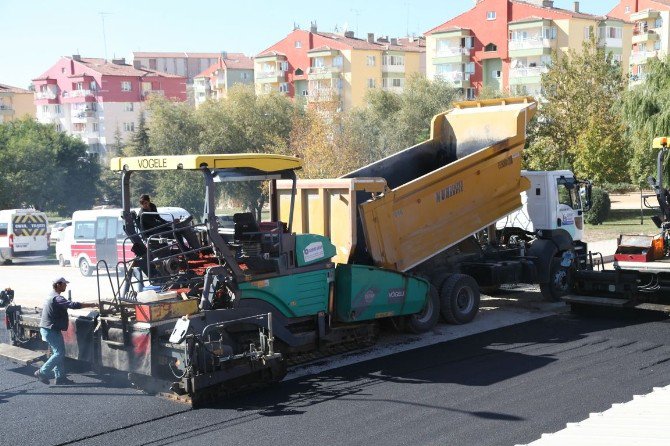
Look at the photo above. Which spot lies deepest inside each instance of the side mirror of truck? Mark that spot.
(585, 192)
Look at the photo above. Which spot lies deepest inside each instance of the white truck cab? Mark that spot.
(23, 234)
(553, 201)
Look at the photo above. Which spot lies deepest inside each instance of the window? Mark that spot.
(337, 61)
(397, 61)
(371, 83)
(93, 85)
(549, 33)
(244, 75)
(79, 127)
(79, 86)
(658, 22)
(305, 92)
(657, 45)
(84, 230)
(57, 109)
(370, 61)
(495, 74)
(59, 128)
(126, 86)
(468, 42)
(490, 15)
(45, 109)
(469, 67)
(469, 93)
(491, 47)
(129, 106)
(128, 126)
(96, 127)
(152, 64)
(283, 66)
(396, 82)
(298, 44)
(588, 32)
(283, 87)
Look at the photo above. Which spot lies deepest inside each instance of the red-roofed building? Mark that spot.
(506, 45)
(92, 98)
(336, 70)
(651, 31)
(15, 103)
(214, 82)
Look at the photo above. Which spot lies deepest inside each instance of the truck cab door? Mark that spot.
(569, 213)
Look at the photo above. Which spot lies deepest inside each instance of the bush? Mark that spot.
(600, 207)
(620, 188)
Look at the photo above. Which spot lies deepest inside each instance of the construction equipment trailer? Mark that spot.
(200, 312)
(640, 278)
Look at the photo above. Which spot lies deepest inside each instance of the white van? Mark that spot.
(98, 235)
(24, 234)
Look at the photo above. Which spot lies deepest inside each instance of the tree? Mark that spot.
(139, 145)
(581, 91)
(109, 187)
(645, 109)
(45, 169)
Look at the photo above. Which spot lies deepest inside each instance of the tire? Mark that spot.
(61, 260)
(459, 299)
(427, 318)
(85, 268)
(560, 280)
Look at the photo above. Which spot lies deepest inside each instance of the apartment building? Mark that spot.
(187, 65)
(91, 98)
(506, 45)
(214, 82)
(15, 103)
(651, 31)
(336, 70)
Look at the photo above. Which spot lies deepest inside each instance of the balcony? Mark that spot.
(452, 54)
(533, 46)
(526, 75)
(393, 68)
(610, 42)
(323, 95)
(81, 93)
(271, 77)
(45, 94)
(644, 35)
(640, 57)
(84, 115)
(647, 14)
(457, 78)
(147, 93)
(329, 72)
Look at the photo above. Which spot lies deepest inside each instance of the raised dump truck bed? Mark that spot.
(439, 192)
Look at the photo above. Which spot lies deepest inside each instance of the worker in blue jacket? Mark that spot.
(54, 321)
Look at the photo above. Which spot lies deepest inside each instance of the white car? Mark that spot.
(64, 246)
(57, 229)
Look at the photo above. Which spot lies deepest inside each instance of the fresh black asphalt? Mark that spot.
(501, 387)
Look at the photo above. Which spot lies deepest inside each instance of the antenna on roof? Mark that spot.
(104, 37)
(357, 13)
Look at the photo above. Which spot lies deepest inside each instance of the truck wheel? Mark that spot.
(426, 319)
(560, 278)
(85, 268)
(459, 299)
(61, 260)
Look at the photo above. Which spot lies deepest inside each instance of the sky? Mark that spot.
(38, 32)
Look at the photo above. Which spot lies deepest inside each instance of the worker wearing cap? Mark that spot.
(54, 322)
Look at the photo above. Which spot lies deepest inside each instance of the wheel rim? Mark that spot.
(84, 267)
(465, 300)
(561, 280)
(427, 311)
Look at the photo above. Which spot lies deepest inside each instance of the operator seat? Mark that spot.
(246, 227)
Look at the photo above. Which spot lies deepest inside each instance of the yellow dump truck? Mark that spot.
(432, 209)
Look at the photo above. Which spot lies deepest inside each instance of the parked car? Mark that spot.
(57, 229)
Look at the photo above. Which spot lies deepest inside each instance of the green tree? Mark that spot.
(645, 109)
(581, 91)
(139, 145)
(46, 169)
(109, 187)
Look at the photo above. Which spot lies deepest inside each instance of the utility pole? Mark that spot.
(104, 36)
